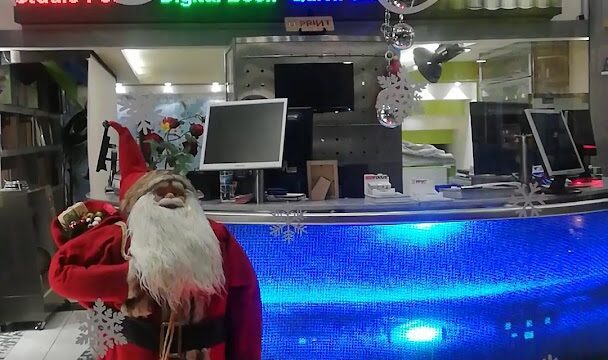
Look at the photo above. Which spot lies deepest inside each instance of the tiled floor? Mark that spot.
(56, 342)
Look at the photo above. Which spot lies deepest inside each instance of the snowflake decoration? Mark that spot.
(291, 227)
(528, 198)
(140, 109)
(398, 94)
(102, 329)
(8, 340)
(550, 357)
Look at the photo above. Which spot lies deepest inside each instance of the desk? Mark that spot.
(442, 280)
(452, 280)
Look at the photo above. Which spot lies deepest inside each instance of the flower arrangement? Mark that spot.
(162, 151)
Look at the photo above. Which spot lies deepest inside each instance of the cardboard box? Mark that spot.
(327, 169)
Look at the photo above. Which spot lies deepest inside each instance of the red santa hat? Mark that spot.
(136, 179)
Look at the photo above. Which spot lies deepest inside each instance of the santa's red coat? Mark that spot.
(91, 267)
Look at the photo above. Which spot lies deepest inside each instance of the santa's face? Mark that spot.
(170, 194)
(175, 254)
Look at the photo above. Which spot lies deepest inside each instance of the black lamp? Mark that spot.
(429, 63)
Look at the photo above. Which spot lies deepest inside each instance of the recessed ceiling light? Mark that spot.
(120, 88)
(135, 59)
(467, 49)
(215, 87)
(168, 88)
(482, 61)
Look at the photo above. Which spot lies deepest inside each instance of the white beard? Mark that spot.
(175, 254)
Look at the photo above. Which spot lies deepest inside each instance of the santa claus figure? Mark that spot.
(185, 285)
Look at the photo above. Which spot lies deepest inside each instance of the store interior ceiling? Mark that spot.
(179, 65)
(205, 65)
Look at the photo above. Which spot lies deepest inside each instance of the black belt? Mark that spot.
(203, 335)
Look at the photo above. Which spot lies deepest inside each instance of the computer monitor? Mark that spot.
(494, 127)
(579, 122)
(297, 151)
(555, 143)
(244, 135)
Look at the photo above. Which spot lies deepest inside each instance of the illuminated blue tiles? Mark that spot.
(452, 290)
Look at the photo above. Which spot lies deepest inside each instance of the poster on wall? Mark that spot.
(169, 127)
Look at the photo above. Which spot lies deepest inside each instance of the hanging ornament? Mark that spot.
(394, 66)
(387, 32)
(402, 36)
(396, 6)
(406, 6)
(387, 118)
(397, 99)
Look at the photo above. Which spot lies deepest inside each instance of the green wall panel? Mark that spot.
(438, 137)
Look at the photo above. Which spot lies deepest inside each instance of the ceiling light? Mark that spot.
(120, 88)
(168, 88)
(215, 87)
(135, 59)
(467, 50)
(482, 61)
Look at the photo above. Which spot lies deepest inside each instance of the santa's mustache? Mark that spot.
(171, 203)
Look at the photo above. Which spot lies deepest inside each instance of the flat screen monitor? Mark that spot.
(555, 143)
(244, 135)
(494, 127)
(579, 122)
(325, 87)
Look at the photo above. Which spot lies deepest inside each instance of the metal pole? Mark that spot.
(259, 186)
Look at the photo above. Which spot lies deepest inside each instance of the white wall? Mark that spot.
(462, 148)
(101, 106)
(7, 16)
(579, 67)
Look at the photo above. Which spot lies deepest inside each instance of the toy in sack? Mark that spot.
(76, 219)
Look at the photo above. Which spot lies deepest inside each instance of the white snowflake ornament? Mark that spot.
(291, 227)
(528, 198)
(102, 329)
(398, 98)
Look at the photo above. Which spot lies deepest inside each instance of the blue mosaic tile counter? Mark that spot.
(475, 289)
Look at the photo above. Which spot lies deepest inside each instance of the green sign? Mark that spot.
(189, 3)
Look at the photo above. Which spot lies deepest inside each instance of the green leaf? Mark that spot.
(172, 149)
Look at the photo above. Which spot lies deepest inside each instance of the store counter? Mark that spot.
(350, 279)
(353, 279)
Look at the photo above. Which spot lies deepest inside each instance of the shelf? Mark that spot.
(14, 109)
(29, 151)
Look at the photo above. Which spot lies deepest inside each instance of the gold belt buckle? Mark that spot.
(179, 355)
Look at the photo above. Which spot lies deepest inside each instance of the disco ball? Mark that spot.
(402, 36)
(387, 118)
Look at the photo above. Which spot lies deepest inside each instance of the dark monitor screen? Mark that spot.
(244, 135)
(494, 127)
(579, 122)
(555, 142)
(324, 87)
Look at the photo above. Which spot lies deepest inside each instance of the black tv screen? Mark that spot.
(324, 87)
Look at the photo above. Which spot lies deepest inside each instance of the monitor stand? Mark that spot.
(558, 187)
(259, 186)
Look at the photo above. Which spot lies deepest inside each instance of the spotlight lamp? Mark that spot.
(429, 63)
